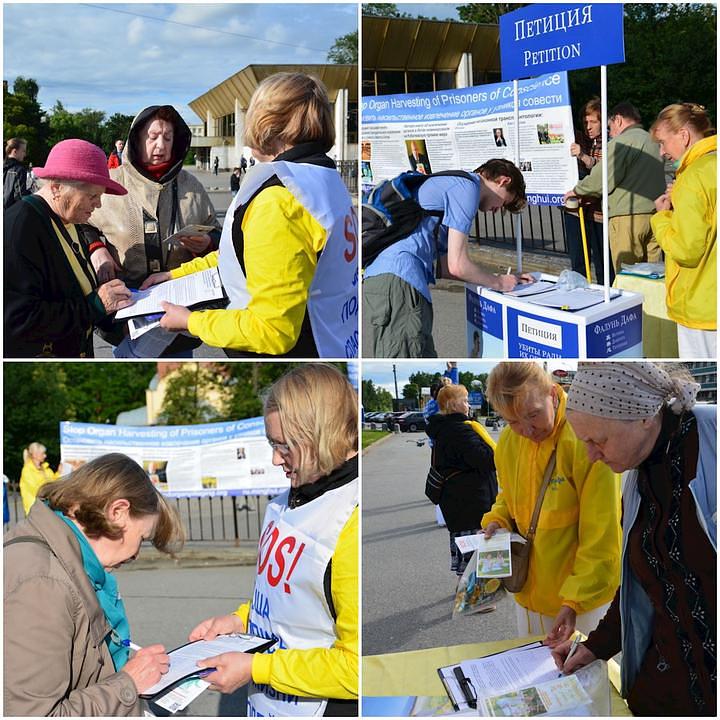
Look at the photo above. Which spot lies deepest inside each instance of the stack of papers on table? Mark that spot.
(577, 299)
(654, 271)
(525, 682)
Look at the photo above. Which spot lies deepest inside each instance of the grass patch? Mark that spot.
(370, 436)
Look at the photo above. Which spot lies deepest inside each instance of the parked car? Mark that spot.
(411, 422)
(492, 421)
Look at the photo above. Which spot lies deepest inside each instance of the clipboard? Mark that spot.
(201, 649)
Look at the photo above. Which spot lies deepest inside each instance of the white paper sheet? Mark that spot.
(183, 660)
(471, 543)
(541, 286)
(577, 299)
(202, 286)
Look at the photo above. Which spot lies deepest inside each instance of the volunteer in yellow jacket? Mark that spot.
(288, 251)
(574, 565)
(35, 473)
(306, 589)
(685, 226)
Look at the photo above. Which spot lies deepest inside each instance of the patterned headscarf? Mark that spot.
(628, 390)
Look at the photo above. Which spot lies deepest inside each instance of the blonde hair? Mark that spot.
(678, 115)
(289, 109)
(88, 491)
(450, 398)
(511, 383)
(31, 449)
(318, 411)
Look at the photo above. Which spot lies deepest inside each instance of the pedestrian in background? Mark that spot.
(463, 454)
(115, 157)
(641, 418)
(235, 180)
(216, 165)
(15, 178)
(35, 473)
(685, 226)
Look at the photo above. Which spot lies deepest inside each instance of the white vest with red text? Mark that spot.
(333, 296)
(289, 603)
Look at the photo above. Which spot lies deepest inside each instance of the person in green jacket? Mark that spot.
(685, 226)
(635, 177)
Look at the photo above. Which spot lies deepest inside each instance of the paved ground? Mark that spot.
(407, 585)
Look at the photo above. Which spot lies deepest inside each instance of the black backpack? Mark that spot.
(12, 191)
(391, 212)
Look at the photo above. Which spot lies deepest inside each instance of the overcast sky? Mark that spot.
(124, 57)
(441, 11)
(381, 372)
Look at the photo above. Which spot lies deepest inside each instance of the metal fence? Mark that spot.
(348, 170)
(543, 229)
(220, 518)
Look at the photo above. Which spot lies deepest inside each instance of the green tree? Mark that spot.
(382, 10)
(375, 398)
(344, 50)
(23, 117)
(186, 396)
(411, 391)
(116, 127)
(424, 379)
(486, 12)
(85, 124)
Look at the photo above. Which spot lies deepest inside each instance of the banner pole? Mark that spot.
(516, 218)
(606, 219)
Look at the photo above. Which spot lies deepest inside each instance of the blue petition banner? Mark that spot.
(540, 38)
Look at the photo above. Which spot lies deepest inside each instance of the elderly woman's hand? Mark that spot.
(196, 243)
(147, 666)
(581, 657)
(212, 627)
(155, 279)
(563, 627)
(175, 317)
(490, 529)
(114, 296)
(232, 671)
(105, 266)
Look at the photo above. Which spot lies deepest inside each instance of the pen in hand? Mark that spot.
(573, 648)
(131, 645)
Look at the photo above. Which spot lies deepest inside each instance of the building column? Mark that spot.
(239, 149)
(210, 133)
(464, 74)
(341, 114)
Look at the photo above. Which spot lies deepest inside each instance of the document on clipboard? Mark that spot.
(191, 291)
(183, 660)
(525, 682)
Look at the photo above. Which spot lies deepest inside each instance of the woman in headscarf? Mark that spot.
(288, 253)
(642, 418)
(574, 564)
(685, 226)
(66, 633)
(53, 297)
(306, 589)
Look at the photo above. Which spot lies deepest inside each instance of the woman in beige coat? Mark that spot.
(66, 635)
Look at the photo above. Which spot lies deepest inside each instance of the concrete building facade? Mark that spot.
(222, 110)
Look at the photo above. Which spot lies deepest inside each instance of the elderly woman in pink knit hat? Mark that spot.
(52, 296)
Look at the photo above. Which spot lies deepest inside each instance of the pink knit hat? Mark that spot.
(82, 161)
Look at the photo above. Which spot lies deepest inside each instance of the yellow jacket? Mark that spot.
(322, 672)
(575, 559)
(31, 479)
(282, 244)
(687, 234)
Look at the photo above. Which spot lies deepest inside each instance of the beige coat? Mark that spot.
(123, 218)
(56, 661)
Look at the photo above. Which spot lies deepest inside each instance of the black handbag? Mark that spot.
(435, 481)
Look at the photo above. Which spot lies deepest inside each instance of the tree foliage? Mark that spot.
(486, 12)
(382, 10)
(374, 398)
(23, 117)
(344, 50)
(38, 396)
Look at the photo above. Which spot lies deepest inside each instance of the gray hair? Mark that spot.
(77, 184)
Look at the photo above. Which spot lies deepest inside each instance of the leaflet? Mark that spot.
(189, 230)
(471, 543)
(553, 697)
(200, 287)
(577, 299)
